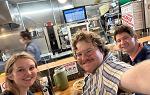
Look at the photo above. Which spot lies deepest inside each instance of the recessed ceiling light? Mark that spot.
(62, 1)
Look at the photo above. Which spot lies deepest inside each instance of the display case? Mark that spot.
(73, 28)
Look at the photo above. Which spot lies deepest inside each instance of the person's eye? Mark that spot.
(118, 41)
(32, 68)
(79, 54)
(20, 70)
(89, 51)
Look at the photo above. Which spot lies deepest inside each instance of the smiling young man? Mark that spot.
(104, 73)
(126, 40)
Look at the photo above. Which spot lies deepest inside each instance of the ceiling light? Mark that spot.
(62, 1)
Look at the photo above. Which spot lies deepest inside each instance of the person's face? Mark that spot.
(125, 42)
(22, 40)
(24, 73)
(88, 56)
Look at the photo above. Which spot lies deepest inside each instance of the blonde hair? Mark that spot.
(10, 85)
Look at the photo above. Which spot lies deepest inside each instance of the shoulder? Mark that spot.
(115, 68)
(6, 92)
(114, 63)
(146, 47)
(146, 51)
(30, 46)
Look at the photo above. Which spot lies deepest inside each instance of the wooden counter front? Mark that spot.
(56, 63)
(144, 39)
(48, 65)
(68, 91)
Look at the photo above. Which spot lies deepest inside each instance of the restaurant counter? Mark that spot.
(56, 63)
(49, 65)
(68, 91)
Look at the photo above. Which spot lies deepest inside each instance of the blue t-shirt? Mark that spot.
(33, 49)
(142, 55)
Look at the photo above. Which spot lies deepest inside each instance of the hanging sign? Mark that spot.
(71, 68)
(132, 15)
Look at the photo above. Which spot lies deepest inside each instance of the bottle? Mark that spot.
(47, 86)
(45, 91)
(4, 57)
(60, 78)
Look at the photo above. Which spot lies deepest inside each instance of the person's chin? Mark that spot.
(28, 84)
(87, 68)
(124, 49)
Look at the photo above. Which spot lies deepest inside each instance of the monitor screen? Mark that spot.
(74, 14)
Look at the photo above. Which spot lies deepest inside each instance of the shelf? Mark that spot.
(95, 28)
(37, 37)
(61, 54)
(63, 34)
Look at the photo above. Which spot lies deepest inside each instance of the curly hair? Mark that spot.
(92, 37)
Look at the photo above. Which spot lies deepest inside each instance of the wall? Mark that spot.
(10, 41)
(36, 14)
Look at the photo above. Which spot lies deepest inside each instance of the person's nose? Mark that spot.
(28, 72)
(122, 42)
(84, 56)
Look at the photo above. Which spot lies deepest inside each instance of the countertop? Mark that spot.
(68, 91)
(56, 63)
(48, 65)
(144, 39)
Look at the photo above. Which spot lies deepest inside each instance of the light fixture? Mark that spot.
(62, 1)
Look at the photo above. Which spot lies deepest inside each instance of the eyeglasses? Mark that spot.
(123, 39)
(87, 52)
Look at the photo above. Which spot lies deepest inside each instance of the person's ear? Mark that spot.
(75, 56)
(136, 37)
(10, 77)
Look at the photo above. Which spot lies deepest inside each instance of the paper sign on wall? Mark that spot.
(71, 68)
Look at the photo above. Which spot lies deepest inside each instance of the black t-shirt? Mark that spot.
(6, 92)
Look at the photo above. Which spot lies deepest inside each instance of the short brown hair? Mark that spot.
(26, 34)
(123, 28)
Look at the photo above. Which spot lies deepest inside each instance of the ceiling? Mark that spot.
(24, 1)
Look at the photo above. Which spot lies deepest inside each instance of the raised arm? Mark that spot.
(137, 78)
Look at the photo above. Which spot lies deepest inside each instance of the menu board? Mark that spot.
(74, 14)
